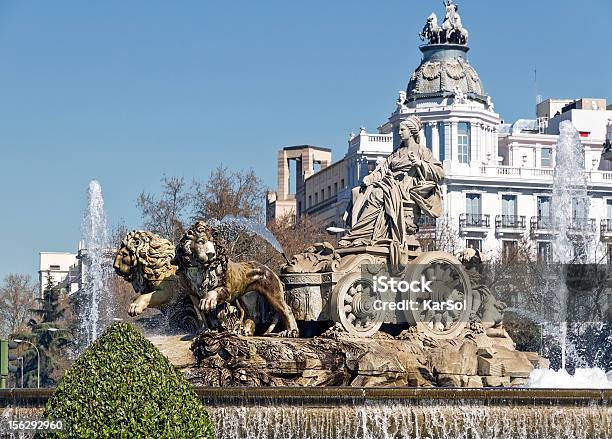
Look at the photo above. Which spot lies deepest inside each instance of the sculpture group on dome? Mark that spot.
(451, 32)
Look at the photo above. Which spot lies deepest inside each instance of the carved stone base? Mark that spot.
(473, 360)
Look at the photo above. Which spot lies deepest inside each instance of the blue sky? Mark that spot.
(127, 91)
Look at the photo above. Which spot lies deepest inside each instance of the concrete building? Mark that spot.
(498, 176)
(59, 267)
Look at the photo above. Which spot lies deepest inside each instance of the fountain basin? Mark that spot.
(289, 412)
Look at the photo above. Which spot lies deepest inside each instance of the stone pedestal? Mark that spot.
(409, 360)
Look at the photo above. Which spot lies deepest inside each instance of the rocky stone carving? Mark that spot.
(486, 309)
(319, 258)
(200, 265)
(410, 359)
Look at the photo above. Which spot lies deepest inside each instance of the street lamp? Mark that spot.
(58, 329)
(21, 359)
(18, 340)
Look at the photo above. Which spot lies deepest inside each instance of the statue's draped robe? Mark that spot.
(377, 216)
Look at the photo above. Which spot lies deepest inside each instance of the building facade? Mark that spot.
(499, 176)
(57, 267)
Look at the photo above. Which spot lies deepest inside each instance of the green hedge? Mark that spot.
(123, 387)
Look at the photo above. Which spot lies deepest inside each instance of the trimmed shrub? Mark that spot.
(123, 387)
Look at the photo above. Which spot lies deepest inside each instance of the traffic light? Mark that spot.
(5, 358)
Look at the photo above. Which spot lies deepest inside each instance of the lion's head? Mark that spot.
(200, 245)
(144, 256)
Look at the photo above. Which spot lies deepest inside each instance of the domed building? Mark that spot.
(446, 92)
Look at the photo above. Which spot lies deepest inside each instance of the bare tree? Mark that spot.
(17, 297)
(165, 215)
(226, 192)
(447, 236)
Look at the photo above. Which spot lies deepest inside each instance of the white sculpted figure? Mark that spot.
(431, 31)
(460, 97)
(454, 32)
(401, 101)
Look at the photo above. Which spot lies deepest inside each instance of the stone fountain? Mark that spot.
(336, 325)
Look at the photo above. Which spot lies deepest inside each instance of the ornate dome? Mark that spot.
(443, 71)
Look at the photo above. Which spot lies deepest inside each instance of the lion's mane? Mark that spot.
(186, 257)
(152, 256)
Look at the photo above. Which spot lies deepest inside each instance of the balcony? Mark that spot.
(541, 225)
(605, 230)
(510, 224)
(470, 222)
(547, 226)
(505, 173)
(582, 225)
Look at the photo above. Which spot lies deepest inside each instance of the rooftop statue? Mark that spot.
(401, 101)
(387, 206)
(452, 30)
(431, 31)
(608, 144)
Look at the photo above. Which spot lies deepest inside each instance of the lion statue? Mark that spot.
(146, 261)
(200, 266)
(216, 279)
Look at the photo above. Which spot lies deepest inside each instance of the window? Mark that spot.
(442, 141)
(463, 142)
(544, 213)
(328, 191)
(473, 209)
(342, 186)
(509, 250)
(476, 244)
(609, 208)
(546, 161)
(322, 194)
(54, 267)
(544, 251)
(509, 211)
(371, 166)
(609, 253)
(309, 200)
(335, 188)
(428, 136)
(316, 198)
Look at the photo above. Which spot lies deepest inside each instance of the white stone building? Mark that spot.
(60, 268)
(498, 181)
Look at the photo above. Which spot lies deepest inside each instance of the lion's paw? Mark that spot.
(136, 308)
(209, 303)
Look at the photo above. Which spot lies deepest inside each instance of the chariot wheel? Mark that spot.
(449, 285)
(352, 304)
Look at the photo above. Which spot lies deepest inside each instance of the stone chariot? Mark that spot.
(341, 289)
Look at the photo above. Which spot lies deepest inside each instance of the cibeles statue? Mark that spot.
(386, 207)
